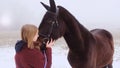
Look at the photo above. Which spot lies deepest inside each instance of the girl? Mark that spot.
(28, 54)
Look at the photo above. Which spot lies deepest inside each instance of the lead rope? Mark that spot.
(45, 59)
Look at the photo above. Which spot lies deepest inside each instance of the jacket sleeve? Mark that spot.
(49, 57)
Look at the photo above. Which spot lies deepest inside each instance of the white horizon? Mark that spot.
(90, 13)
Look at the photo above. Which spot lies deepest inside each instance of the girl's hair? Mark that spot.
(28, 32)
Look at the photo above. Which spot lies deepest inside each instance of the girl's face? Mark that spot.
(36, 36)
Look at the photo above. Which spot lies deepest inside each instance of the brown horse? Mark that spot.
(87, 49)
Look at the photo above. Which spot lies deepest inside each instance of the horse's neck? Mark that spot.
(76, 34)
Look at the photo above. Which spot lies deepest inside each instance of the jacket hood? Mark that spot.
(19, 45)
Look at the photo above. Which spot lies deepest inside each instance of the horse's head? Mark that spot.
(51, 26)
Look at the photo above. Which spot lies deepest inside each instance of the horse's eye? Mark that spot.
(49, 21)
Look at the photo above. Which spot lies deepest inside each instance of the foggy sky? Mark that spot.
(91, 13)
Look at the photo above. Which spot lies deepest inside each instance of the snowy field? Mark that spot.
(7, 59)
(7, 52)
(59, 56)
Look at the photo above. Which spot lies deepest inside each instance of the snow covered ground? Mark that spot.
(7, 59)
(60, 50)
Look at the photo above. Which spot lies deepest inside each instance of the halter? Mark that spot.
(51, 29)
(47, 37)
(50, 32)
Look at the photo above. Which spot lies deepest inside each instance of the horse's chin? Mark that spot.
(55, 37)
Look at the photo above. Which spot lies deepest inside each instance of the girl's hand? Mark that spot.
(50, 44)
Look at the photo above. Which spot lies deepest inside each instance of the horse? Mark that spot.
(87, 49)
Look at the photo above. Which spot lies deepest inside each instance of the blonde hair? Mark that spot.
(28, 32)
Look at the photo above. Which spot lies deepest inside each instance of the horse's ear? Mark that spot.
(46, 6)
(52, 6)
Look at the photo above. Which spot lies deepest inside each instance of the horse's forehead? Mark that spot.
(50, 16)
(51, 13)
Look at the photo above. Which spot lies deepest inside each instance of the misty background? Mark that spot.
(90, 13)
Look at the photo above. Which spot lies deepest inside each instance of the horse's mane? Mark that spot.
(64, 12)
(78, 31)
(79, 28)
